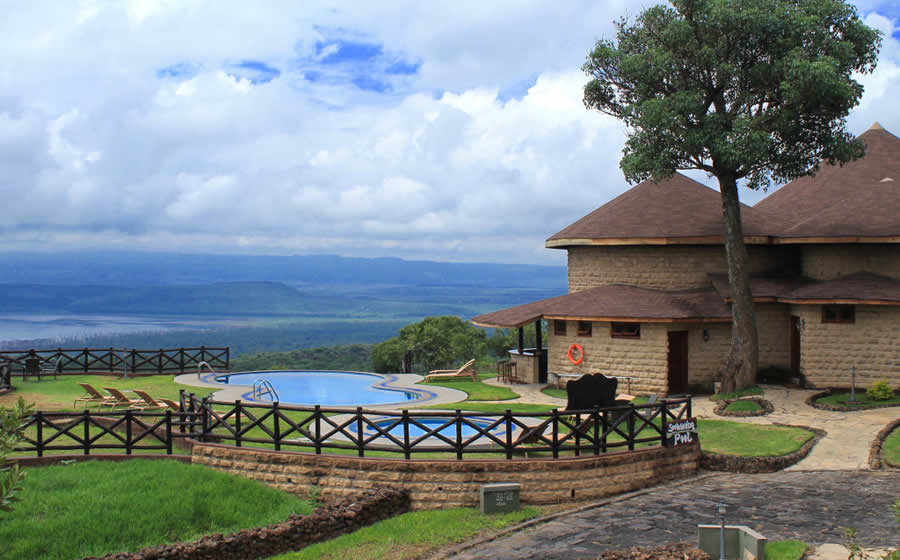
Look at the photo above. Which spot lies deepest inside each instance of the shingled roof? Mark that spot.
(677, 210)
(859, 287)
(856, 202)
(616, 302)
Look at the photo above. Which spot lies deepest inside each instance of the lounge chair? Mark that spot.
(92, 396)
(171, 404)
(147, 402)
(465, 371)
(120, 399)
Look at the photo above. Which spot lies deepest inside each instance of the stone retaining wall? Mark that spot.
(294, 534)
(436, 484)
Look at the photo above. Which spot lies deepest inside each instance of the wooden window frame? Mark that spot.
(843, 314)
(560, 327)
(615, 330)
(585, 332)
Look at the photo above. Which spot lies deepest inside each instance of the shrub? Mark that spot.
(880, 391)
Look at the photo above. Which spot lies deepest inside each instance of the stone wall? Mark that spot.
(668, 267)
(829, 351)
(448, 483)
(644, 358)
(827, 262)
(705, 358)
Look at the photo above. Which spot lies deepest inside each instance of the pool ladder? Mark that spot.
(262, 388)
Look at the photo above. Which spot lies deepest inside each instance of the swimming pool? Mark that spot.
(326, 388)
(429, 424)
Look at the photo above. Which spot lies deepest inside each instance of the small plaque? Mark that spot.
(682, 432)
(500, 498)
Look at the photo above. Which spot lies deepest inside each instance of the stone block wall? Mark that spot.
(827, 262)
(705, 358)
(829, 351)
(434, 484)
(665, 267)
(644, 358)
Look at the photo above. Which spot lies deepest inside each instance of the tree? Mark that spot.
(745, 90)
(435, 342)
(11, 433)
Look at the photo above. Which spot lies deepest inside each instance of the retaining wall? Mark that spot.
(434, 484)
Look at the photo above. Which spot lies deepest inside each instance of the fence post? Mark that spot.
(40, 433)
(128, 432)
(578, 435)
(228, 358)
(359, 432)
(168, 431)
(87, 432)
(458, 443)
(631, 414)
(276, 414)
(605, 426)
(508, 421)
(317, 418)
(160, 367)
(406, 449)
(86, 353)
(204, 418)
(664, 413)
(555, 417)
(181, 358)
(133, 359)
(202, 353)
(237, 422)
(112, 352)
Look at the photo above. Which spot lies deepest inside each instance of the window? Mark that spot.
(559, 328)
(584, 328)
(838, 313)
(625, 330)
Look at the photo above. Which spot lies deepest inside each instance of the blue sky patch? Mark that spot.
(517, 90)
(180, 70)
(347, 51)
(368, 83)
(404, 68)
(254, 70)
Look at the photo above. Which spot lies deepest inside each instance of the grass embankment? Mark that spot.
(410, 535)
(891, 448)
(861, 399)
(59, 394)
(743, 406)
(750, 440)
(477, 390)
(93, 508)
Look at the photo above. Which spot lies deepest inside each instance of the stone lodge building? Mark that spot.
(648, 288)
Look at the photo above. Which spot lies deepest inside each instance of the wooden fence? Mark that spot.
(318, 429)
(87, 360)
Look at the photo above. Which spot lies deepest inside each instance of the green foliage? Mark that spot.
(435, 343)
(861, 400)
(890, 450)
(502, 340)
(344, 357)
(743, 405)
(880, 391)
(11, 433)
(755, 89)
(93, 508)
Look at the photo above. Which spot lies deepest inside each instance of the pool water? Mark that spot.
(326, 388)
(433, 423)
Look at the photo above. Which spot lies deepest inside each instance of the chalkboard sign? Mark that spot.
(500, 498)
(682, 432)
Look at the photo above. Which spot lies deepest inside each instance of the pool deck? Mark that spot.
(433, 394)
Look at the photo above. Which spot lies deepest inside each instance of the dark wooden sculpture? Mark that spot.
(589, 391)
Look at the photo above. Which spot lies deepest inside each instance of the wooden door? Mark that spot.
(678, 362)
(795, 345)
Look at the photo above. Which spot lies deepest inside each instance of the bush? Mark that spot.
(880, 391)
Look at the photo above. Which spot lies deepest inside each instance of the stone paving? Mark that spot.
(810, 506)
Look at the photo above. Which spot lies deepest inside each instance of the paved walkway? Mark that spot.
(810, 506)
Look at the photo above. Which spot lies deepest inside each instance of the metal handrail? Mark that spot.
(262, 387)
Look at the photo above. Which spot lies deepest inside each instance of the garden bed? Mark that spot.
(877, 458)
(760, 464)
(765, 407)
(835, 404)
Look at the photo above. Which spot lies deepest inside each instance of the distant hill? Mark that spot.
(132, 269)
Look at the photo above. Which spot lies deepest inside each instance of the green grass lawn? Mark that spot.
(555, 393)
(410, 535)
(477, 390)
(737, 394)
(750, 440)
(861, 399)
(93, 508)
(891, 448)
(743, 406)
(59, 393)
(785, 550)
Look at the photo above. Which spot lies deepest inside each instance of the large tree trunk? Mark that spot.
(739, 370)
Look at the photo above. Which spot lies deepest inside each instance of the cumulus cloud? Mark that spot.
(452, 131)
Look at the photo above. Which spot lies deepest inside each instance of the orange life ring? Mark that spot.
(580, 350)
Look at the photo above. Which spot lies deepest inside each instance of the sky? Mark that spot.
(451, 131)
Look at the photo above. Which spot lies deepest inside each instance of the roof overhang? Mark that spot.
(705, 240)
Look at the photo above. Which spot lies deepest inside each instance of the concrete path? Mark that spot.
(810, 506)
(849, 434)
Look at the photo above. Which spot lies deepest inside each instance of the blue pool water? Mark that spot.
(433, 423)
(326, 388)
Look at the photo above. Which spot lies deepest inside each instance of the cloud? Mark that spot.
(444, 131)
